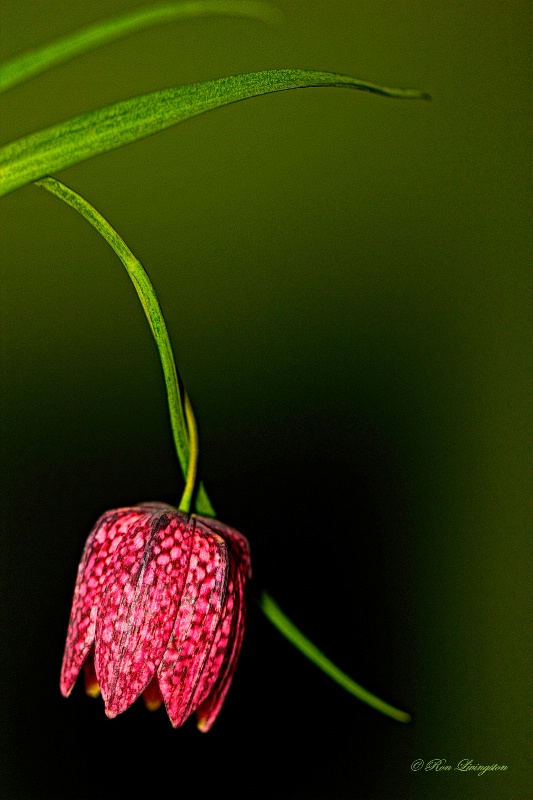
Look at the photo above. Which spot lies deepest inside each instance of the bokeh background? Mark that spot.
(347, 284)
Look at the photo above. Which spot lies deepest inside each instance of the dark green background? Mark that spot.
(346, 282)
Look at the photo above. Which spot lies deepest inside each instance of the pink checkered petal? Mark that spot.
(238, 543)
(199, 613)
(139, 605)
(226, 650)
(220, 645)
(92, 575)
(216, 679)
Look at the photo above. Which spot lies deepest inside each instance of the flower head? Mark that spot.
(158, 610)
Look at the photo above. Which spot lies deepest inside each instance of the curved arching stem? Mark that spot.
(186, 438)
(152, 309)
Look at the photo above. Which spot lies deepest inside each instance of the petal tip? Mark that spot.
(66, 684)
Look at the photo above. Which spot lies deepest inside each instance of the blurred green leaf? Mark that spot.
(27, 65)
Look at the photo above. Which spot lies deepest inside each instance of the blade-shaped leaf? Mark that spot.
(28, 64)
(288, 629)
(108, 128)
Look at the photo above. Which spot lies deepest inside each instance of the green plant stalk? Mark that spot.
(27, 65)
(284, 625)
(71, 142)
(152, 309)
(188, 452)
(188, 491)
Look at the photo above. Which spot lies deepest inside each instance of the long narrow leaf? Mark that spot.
(108, 128)
(288, 629)
(27, 65)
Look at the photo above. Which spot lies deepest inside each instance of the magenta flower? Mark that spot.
(158, 610)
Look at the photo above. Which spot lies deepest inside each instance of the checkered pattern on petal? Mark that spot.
(201, 606)
(93, 572)
(216, 680)
(159, 604)
(139, 605)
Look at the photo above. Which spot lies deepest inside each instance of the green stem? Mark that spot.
(154, 315)
(276, 616)
(186, 498)
(186, 438)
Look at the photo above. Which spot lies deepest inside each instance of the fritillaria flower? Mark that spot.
(158, 610)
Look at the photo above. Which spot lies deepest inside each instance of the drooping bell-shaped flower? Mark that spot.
(159, 609)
